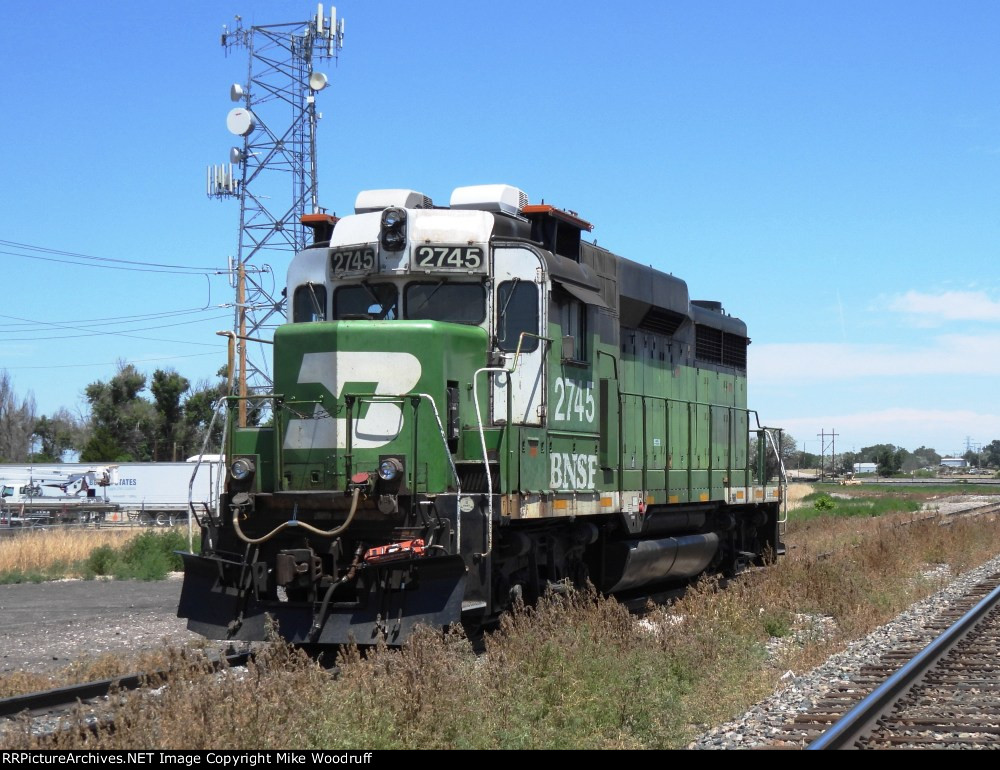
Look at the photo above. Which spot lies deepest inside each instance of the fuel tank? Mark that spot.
(635, 563)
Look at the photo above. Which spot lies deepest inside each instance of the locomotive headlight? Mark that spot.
(241, 469)
(393, 229)
(389, 469)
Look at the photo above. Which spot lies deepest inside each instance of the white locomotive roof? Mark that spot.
(422, 226)
(376, 200)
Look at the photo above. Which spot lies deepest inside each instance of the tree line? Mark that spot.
(131, 419)
(888, 458)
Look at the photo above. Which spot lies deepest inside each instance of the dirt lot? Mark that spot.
(47, 625)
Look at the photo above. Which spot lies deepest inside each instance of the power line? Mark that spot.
(112, 363)
(117, 334)
(138, 317)
(33, 326)
(112, 263)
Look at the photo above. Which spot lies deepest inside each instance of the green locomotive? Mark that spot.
(473, 404)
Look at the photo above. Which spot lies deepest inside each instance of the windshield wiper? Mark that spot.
(426, 299)
(319, 311)
(384, 305)
(502, 317)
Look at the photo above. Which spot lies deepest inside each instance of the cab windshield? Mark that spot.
(366, 301)
(461, 303)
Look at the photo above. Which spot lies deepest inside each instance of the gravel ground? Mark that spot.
(799, 693)
(948, 505)
(48, 625)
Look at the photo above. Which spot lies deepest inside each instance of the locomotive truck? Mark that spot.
(473, 404)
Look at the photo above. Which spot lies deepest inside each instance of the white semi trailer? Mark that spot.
(144, 492)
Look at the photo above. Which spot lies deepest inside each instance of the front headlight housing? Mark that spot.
(241, 469)
(389, 469)
(393, 229)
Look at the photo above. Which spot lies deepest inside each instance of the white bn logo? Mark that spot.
(394, 374)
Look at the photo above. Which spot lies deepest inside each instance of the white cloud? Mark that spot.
(945, 355)
(946, 306)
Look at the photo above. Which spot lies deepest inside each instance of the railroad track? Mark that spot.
(985, 509)
(942, 695)
(50, 703)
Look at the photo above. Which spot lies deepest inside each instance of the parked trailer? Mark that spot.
(158, 492)
(33, 496)
(148, 493)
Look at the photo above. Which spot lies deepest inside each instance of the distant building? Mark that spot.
(865, 467)
(954, 462)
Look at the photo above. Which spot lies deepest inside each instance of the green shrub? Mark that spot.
(150, 556)
(102, 561)
(776, 625)
(824, 503)
(19, 576)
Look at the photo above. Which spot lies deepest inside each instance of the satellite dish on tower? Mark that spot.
(236, 155)
(236, 92)
(240, 121)
(317, 81)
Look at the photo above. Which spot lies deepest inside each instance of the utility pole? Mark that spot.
(277, 120)
(823, 436)
(241, 310)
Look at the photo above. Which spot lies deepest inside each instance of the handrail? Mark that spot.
(482, 441)
(384, 398)
(454, 470)
(783, 483)
(388, 398)
(482, 431)
(733, 412)
(215, 498)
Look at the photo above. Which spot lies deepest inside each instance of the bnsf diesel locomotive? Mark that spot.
(473, 404)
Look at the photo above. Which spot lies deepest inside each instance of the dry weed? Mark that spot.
(46, 550)
(575, 671)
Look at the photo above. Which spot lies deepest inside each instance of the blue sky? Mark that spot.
(829, 171)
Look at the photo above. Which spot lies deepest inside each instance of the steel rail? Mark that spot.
(44, 700)
(861, 719)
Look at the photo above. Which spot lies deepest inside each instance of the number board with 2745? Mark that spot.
(448, 258)
(358, 259)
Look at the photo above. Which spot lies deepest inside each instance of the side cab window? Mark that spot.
(517, 312)
(572, 316)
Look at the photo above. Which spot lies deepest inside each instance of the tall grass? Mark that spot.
(55, 551)
(574, 671)
(86, 553)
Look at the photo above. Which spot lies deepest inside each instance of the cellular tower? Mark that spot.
(272, 172)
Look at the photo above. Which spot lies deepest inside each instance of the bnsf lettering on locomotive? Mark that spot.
(449, 257)
(572, 471)
(575, 400)
(352, 260)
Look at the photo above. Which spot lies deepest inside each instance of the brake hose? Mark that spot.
(296, 523)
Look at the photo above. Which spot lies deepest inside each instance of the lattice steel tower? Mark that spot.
(274, 173)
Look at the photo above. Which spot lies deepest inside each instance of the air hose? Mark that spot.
(296, 523)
